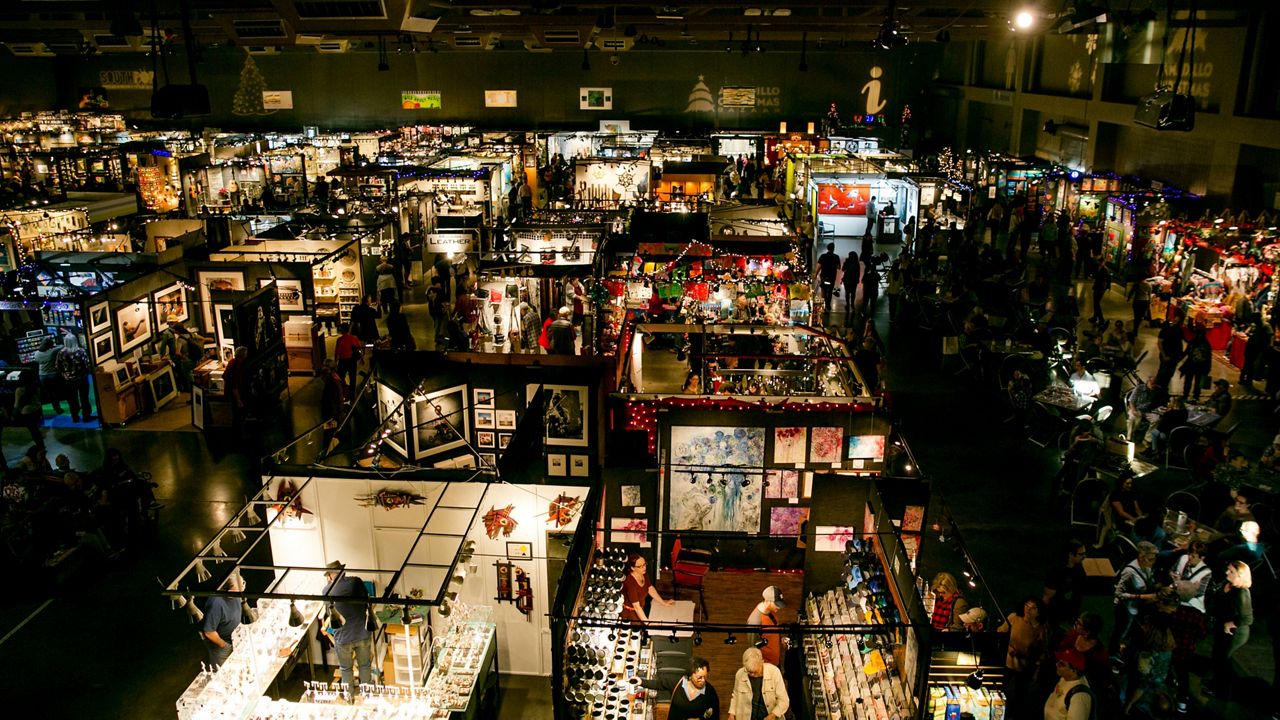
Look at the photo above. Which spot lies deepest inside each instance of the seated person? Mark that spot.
(1140, 400)
(1271, 455)
(1236, 514)
(1086, 443)
(1116, 339)
(1083, 381)
(1220, 399)
(1125, 509)
(1174, 416)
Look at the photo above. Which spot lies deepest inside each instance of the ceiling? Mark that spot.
(86, 26)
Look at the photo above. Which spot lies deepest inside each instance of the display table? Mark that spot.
(465, 671)
(1236, 354)
(681, 612)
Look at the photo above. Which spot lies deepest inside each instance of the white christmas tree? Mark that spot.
(248, 97)
(700, 98)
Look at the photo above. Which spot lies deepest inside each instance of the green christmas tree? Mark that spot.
(248, 98)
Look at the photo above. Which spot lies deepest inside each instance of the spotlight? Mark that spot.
(295, 617)
(673, 640)
(828, 642)
(975, 680)
(697, 639)
(1024, 20)
(761, 643)
(731, 640)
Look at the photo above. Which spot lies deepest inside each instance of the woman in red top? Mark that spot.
(635, 589)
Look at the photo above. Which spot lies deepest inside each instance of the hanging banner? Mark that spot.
(500, 98)
(420, 99)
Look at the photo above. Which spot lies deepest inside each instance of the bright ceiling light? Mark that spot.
(1023, 20)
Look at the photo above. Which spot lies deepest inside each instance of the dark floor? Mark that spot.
(106, 645)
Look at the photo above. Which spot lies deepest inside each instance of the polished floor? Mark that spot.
(105, 644)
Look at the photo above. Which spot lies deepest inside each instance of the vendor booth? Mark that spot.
(736, 145)
(839, 191)
(602, 183)
(689, 186)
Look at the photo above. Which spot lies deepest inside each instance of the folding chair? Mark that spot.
(1183, 501)
(1180, 438)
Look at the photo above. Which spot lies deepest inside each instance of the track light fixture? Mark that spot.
(731, 640)
(673, 639)
(197, 616)
(295, 616)
(761, 643)
(697, 639)
(975, 679)
(890, 35)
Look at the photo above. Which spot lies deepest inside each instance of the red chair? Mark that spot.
(689, 568)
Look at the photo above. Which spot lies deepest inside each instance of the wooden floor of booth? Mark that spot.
(731, 596)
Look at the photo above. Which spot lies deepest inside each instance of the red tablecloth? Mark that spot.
(1218, 335)
(1236, 356)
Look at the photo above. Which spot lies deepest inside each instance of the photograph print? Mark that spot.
(103, 348)
(133, 325)
(210, 281)
(717, 478)
(440, 422)
(289, 293)
(171, 306)
(566, 413)
(485, 419)
(392, 413)
(99, 318)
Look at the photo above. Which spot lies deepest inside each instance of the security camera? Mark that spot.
(614, 59)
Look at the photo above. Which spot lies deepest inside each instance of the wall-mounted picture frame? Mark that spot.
(595, 98)
(482, 397)
(506, 419)
(440, 421)
(488, 460)
(566, 414)
(170, 305)
(133, 324)
(519, 550)
(289, 292)
(486, 439)
(99, 317)
(216, 280)
(556, 465)
(485, 419)
(391, 412)
(224, 333)
(163, 386)
(104, 348)
(578, 466)
(504, 439)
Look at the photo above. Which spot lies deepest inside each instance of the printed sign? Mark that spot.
(420, 99)
(277, 99)
(835, 199)
(500, 98)
(125, 79)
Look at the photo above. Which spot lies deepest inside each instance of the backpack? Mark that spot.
(1201, 353)
(1093, 699)
(72, 364)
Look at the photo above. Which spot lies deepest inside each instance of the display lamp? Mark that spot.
(196, 615)
(975, 680)
(761, 643)
(697, 639)
(731, 640)
(295, 616)
(1024, 20)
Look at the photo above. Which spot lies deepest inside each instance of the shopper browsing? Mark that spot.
(765, 614)
(221, 618)
(694, 698)
(636, 588)
(1072, 698)
(759, 692)
(351, 637)
(561, 333)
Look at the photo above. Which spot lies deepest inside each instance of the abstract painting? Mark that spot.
(831, 538)
(716, 478)
(787, 520)
(628, 530)
(866, 447)
(630, 495)
(781, 484)
(826, 445)
(788, 445)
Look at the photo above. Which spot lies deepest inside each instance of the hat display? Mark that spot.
(1072, 657)
(774, 595)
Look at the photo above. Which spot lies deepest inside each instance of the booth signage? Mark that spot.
(125, 79)
(277, 99)
(420, 100)
(449, 242)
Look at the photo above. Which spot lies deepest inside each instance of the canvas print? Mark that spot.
(866, 447)
(99, 318)
(912, 518)
(831, 538)
(566, 413)
(440, 422)
(391, 412)
(133, 325)
(628, 530)
(787, 520)
(788, 445)
(631, 495)
(716, 478)
(825, 445)
(210, 281)
(781, 484)
(171, 305)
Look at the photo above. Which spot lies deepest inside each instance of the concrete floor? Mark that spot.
(106, 645)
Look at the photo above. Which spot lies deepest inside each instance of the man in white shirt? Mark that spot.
(1072, 698)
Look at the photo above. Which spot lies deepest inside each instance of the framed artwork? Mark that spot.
(506, 419)
(519, 550)
(440, 422)
(831, 538)
(163, 386)
(578, 466)
(225, 330)
(99, 318)
(630, 495)
(716, 478)
(211, 280)
(121, 376)
(103, 348)
(595, 98)
(781, 484)
(484, 418)
(628, 530)
(482, 398)
(289, 292)
(556, 465)
(133, 325)
(504, 439)
(391, 412)
(488, 460)
(788, 445)
(866, 447)
(566, 413)
(913, 518)
(787, 520)
(485, 439)
(171, 306)
(825, 445)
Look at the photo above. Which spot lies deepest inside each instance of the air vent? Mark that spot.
(475, 42)
(561, 37)
(259, 29)
(340, 9)
(29, 49)
(621, 44)
(333, 46)
(116, 43)
(308, 39)
(262, 49)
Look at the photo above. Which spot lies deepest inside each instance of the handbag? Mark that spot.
(370, 620)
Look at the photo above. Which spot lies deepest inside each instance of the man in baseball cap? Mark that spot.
(1072, 698)
(765, 614)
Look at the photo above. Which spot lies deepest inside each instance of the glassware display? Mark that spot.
(460, 656)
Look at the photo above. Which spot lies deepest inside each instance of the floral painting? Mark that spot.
(782, 484)
(831, 538)
(826, 445)
(716, 478)
(628, 530)
(788, 445)
(787, 520)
